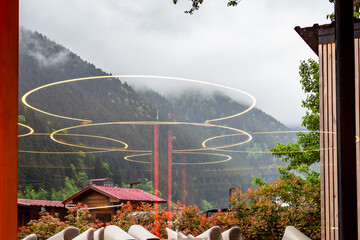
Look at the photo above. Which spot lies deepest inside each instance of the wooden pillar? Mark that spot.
(345, 106)
(9, 38)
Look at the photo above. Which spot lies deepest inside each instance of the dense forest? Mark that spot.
(55, 170)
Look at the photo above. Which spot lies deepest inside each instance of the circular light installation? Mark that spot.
(31, 131)
(227, 158)
(86, 122)
(220, 148)
(79, 135)
(24, 98)
(52, 135)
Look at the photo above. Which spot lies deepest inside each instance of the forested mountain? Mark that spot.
(58, 169)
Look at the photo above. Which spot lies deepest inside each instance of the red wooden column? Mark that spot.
(9, 38)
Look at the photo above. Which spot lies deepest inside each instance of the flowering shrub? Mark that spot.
(187, 219)
(46, 225)
(78, 217)
(265, 212)
(261, 213)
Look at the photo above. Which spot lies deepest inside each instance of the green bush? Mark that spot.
(264, 213)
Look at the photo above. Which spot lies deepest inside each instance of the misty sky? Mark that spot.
(252, 47)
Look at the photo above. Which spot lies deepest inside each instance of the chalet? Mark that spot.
(103, 202)
(29, 209)
(105, 182)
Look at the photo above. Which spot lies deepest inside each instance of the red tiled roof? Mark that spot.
(122, 194)
(44, 203)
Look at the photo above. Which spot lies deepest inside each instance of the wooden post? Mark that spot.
(345, 104)
(9, 38)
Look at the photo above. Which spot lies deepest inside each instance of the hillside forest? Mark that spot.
(114, 113)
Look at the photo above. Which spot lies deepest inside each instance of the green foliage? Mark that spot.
(196, 4)
(21, 119)
(290, 201)
(30, 192)
(78, 217)
(205, 205)
(264, 213)
(304, 153)
(46, 225)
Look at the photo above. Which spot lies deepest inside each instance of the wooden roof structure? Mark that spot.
(322, 34)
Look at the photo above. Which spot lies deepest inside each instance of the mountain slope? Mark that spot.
(108, 100)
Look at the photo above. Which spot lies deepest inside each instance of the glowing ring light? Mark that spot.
(24, 98)
(94, 136)
(31, 131)
(75, 134)
(227, 158)
(237, 134)
(52, 135)
(40, 152)
(263, 152)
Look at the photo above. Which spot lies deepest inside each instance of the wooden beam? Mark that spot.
(9, 38)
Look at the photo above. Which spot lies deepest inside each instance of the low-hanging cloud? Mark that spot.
(36, 49)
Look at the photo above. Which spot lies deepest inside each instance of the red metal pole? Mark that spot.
(156, 160)
(156, 176)
(170, 135)
(9, 51)
(183, 185)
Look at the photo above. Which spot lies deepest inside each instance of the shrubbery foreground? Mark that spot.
(261, 213)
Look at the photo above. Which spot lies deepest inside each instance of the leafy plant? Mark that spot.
(264, 213)
(46, 225)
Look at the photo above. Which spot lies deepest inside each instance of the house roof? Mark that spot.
(43, 203)
(322, 34)
(121, 194)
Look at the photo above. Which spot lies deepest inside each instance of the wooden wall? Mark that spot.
(328, 157)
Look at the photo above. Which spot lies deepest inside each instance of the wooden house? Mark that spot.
(28, 209)
(105, 182)
(103, 202)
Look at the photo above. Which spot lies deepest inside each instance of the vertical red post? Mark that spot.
(9, 51)
(156, 160)
(170, 135)
(183, 185)
(156, 176)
